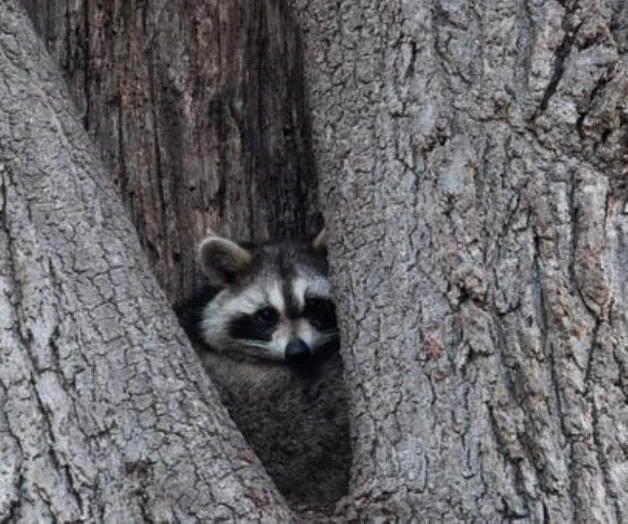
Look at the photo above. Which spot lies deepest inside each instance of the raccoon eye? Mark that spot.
(321, 312)
(266, 315)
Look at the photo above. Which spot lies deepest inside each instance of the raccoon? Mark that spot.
(265, 328)
(270, 301)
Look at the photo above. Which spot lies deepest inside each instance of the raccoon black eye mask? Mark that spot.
(270, 301)
(259, 325)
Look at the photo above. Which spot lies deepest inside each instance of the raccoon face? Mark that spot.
(274, 300)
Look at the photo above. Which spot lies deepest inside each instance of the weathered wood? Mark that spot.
(105, 413)
(198, 108)
(473, 161)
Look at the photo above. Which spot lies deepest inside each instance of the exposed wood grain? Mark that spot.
(198, 108)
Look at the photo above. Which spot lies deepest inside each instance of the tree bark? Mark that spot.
(474, 167)
(105, 414)
(473, 160)
(199, 110)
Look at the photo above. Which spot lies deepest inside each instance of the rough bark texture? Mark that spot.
(473, 161)
(199, 110)
(105, 414)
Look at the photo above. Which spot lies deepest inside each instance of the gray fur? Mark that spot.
(297, 424)
(222, 259)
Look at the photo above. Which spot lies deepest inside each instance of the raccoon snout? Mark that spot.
(297, 352)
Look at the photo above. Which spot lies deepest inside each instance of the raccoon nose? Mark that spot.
(297, 352)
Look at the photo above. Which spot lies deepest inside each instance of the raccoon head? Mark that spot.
(273, 302)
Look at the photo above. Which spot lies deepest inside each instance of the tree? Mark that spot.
(473, 165)
(106, 414)
(199, 112)
(472, 161)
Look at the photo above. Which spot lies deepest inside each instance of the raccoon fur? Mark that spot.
(265, 328)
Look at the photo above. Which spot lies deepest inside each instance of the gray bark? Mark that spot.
(473, 161)
(105, 413)
(198, 108)
(474, 167)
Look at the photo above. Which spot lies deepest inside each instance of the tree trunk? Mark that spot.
(199, 110)
(473, 160)
(105, 414)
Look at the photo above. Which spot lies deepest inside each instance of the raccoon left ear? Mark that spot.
(222, 260)
(320, 242)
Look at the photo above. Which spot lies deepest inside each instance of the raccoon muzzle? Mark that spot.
(297, 352)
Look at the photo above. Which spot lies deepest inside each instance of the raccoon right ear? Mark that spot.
(320, 242)
(222, 260)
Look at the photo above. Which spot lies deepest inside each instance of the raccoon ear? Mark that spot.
(222, 260)
(320, 241)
